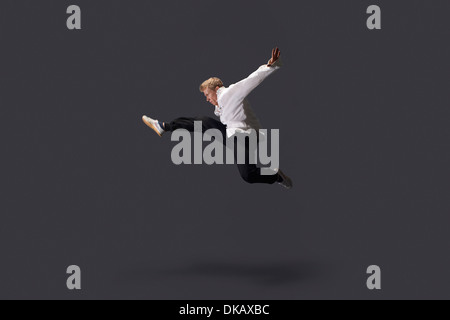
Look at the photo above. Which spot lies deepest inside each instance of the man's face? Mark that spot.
(211, 96)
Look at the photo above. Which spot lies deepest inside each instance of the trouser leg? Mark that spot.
(250, 172)
(188, 124)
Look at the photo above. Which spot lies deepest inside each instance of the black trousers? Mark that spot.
(249, 172)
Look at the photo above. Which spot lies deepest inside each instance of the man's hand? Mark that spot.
(275, 56)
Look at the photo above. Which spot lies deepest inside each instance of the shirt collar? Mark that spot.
(220, 91)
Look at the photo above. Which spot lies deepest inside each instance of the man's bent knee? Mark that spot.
(249, 178)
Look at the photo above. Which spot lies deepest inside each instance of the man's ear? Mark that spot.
(217, 88)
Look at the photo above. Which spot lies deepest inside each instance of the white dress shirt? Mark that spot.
(233, 106)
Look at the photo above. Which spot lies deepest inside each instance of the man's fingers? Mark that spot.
(275, 55)
(276, 52)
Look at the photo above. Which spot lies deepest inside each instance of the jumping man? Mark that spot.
(236, 116)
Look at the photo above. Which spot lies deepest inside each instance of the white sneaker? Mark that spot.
(287, 182)
(154, 124)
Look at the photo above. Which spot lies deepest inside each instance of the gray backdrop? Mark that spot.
(364, 121)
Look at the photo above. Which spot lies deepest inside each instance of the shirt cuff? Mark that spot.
(276, 64)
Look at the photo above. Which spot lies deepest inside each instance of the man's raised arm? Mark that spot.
(243, 88)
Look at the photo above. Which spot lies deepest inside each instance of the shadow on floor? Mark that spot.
(267, 274)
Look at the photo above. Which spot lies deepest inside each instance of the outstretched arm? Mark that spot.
(243, 88)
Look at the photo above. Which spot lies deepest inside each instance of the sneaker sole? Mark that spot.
(151, 126)
(286, 187)
(291, 185)
(289, 180)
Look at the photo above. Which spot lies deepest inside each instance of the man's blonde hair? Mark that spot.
(211, 83)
